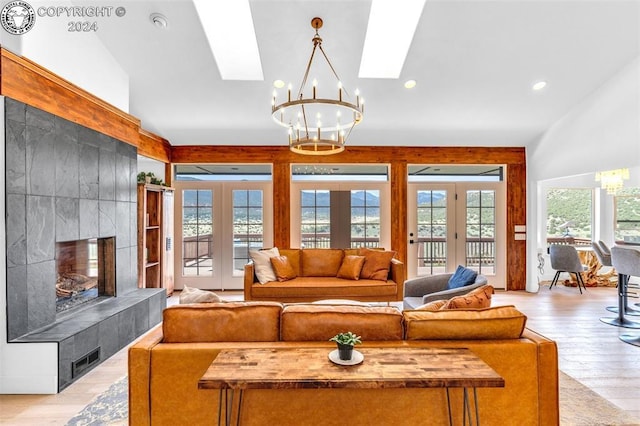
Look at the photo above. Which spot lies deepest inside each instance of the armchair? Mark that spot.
(421, 290)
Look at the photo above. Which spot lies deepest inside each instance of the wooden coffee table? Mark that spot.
(383, 368)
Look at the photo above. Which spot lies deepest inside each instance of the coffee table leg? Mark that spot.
(467, 409)
(449, 407)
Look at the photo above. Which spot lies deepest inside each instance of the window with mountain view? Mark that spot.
(569, 213)
(323, 222)
(627, 208)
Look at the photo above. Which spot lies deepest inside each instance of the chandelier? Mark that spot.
(612, 180)
(317, 125)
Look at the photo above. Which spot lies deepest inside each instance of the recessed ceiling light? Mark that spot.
(278, 84)
(159, 20)
(539, 85)
(410, 84)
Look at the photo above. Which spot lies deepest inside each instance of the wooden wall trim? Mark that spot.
(28, 82)
(399, 233)
(25, 81)
(399, 157)
(516, 215)
(186, 154)
(281, 210)
(154, 146)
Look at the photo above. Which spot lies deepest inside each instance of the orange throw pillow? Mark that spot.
(283, 268)
(435, 305)
(376, 264)
(351, 267)
(477, 298)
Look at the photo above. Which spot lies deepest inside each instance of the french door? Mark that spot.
(216, 225)
(462, 223)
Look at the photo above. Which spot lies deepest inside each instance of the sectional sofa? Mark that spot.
(165, 365)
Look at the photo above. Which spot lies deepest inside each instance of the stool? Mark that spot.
(627, 263)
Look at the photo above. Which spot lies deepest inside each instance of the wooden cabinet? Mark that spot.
(155, 237)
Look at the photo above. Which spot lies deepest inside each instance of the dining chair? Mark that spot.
(564, 258)
(626, 261)
(604, 257)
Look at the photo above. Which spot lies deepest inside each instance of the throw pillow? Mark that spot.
(435, 305)
(195, 295)
(376, 264)
(282, 268)
(463, 276)
(477, 298)
(262, 264)
(351, 267)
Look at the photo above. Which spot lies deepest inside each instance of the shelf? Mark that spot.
(155, 226)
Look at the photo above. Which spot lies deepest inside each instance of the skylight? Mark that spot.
(390, 32)
(229, 28)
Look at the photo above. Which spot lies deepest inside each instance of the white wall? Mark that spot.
(146, 164)
(601, 133)
(24, 367)
(80, 58)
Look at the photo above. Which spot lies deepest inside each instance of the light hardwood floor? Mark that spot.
(589, 351)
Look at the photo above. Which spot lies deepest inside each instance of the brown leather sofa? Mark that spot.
(316, 279)
(166, 364)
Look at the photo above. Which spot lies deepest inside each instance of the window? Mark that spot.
(569, 214)
(197, 232)
(340, 205)
(365, 218)
(481, 231)
(431, 210)
(627, 218)
(248, 226)
(315, 223)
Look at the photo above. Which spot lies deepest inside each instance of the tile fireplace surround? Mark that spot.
(66, 182)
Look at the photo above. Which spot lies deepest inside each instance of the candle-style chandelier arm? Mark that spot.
(306, 72)
(332, 69)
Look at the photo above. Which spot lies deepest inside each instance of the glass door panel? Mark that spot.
(197, 233)
(453, 224)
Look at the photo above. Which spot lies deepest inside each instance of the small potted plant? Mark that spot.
(149, 177)
(346, 341)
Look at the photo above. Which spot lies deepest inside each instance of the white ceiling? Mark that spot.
(474, 61)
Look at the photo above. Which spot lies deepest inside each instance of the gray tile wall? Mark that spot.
(67, 182)
(64, 182)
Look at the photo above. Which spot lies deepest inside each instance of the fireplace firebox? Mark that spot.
(85, 271)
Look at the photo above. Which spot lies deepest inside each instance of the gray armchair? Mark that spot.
(421, 290)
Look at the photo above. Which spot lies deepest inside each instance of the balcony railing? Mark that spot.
(480, 252)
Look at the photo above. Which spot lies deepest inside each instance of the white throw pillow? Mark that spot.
(195, 295)
(262, 264)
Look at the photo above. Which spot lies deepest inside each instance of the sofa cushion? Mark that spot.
(351, 267)
(262, 264)
(477, 298)
(307, 289)
(501, 322)
(462, 277)
(282, 268)
(322, 322)
(195, 295)
(376, 264)
(222, 322)
(435, 305)
(321, 262)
